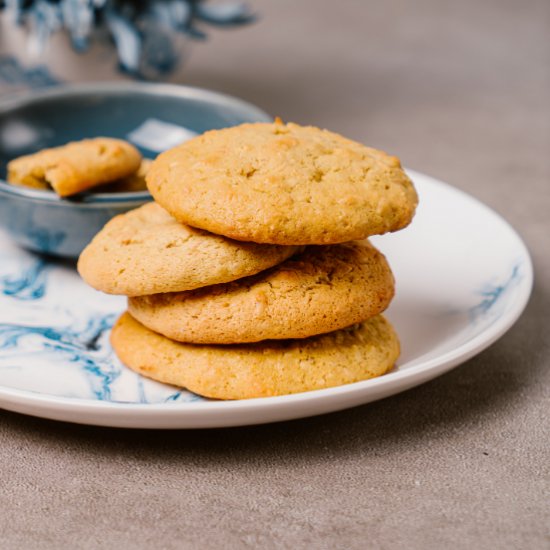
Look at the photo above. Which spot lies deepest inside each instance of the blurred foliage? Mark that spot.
(144, 32)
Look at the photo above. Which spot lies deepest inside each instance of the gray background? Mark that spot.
(459, 90)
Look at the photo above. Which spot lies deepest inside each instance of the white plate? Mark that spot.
(463, 278)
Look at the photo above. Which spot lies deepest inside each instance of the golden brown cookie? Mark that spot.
(283, 184)
(77, 166)
(266, 369)
(323, 289)
(135, 182)
(146, 251)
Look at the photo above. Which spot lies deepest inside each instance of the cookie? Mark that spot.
(266, 369)
(323, 289)
(283, 184)
(135, 182)
(146, 251)
(77, 166)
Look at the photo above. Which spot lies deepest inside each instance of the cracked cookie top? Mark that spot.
(283, 184)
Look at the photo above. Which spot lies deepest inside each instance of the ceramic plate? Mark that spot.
(463, 278)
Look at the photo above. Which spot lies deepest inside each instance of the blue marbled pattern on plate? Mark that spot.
(28, 284)
(54, 335)
(492, 293)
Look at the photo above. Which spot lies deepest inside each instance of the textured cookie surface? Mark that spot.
(135, 182)
(77, 166)
(283, 184)
(259, 370)
(145, 251)
(323, 289)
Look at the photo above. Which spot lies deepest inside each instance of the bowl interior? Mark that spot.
(152, 112)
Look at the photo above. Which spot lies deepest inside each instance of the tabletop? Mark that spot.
(460, 91)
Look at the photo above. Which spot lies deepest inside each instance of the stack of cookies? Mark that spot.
(250, 275)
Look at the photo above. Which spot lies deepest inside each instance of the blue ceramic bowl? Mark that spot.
(149, 115)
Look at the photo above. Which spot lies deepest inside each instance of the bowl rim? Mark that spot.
(23, 99)
(83, 199)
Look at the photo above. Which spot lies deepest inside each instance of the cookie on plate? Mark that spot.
(77, 166)
(146, 251)
(323, 289)
(283, 184)
(266, 369)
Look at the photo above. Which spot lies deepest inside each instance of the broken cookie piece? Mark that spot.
(77, 166)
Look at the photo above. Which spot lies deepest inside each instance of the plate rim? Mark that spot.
(409, 377)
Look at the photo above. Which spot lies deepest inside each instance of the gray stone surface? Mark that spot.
(459, 90)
